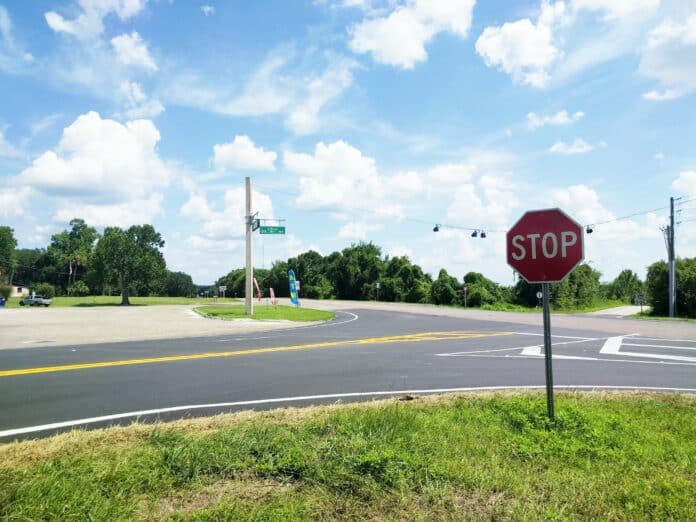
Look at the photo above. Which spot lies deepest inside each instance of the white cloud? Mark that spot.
(208, 10)
(277, 86)
(485, 203)
(338, 76)
(452, 173)
(400, 37)
(339, 177)
(227, 223)
(404, 184)
(204, 245)
(243, 154)
(579, 146)
(100, 159)
(686, 183)
(137, 104)
(13, 58)
(669, 57)
(357, 230)
(130, 49)
(535, 121)
(7, 150)
(565, 39)
(523, 49)
(131, 212)
(89, 23)
(659, 156)
(616, 9)
(14, 201)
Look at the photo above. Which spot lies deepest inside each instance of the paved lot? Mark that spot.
(25, 327)
(364, 353)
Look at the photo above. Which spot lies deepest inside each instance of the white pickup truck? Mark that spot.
(36, 300)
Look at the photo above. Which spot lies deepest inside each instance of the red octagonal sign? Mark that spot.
(545, 245)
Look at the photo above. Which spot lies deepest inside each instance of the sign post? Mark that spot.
(466, 290)
(544, 246)
(222, 289)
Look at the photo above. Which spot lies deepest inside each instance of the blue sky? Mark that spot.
(356, 119)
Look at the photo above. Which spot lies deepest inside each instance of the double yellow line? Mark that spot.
(412, 338)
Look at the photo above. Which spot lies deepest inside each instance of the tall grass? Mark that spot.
(481, 457)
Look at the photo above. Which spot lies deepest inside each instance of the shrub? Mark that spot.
(5, 291)
(78, 288)
(46, 290)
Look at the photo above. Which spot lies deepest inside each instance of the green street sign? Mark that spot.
(272, 230)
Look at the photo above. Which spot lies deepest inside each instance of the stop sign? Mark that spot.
(544, 246)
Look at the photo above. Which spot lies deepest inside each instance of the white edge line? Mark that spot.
(663, 339)
(105, 418)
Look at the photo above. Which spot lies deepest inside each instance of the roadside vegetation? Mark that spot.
(608, 457)
(278, 312)
(81, 262)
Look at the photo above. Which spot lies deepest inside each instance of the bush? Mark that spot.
(78, 289)
(46, 290)
(5, 291)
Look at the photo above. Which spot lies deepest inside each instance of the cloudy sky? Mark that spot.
(358, 120)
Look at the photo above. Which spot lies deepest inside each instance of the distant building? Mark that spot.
(19, 290)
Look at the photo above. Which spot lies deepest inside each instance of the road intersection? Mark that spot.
(364, 353)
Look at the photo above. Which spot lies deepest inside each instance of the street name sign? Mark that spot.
(272, 230)
(544, 246)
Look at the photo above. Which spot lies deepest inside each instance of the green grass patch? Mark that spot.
(113, 300)
(493, 456)
(279, 312)
(646, 315)
(595, 307)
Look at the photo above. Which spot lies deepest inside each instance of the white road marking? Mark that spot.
(533, 350)
(281, 400)
(670, 340)
(661, 346)
(612, 345)
(598, 359)
(559, 336)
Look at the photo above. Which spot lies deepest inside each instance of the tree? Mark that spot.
(28, 265)
(132, 259)
(8, 261)
(625, 287)
(178, 284)
(445, 289)
(74, 247)
(580, 288)
(657, 285)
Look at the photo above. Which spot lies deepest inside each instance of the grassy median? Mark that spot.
(609, 457)
(279, 312)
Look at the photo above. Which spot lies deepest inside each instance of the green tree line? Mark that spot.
(362, 272)
(79, 261)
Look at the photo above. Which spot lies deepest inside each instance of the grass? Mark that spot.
(595, 307)
(481, 457)
(646, 315)
(287, 313)
(113, 300)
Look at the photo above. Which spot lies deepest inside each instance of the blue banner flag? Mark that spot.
(293, 288)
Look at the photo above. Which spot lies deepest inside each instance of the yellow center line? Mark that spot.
(418, 337)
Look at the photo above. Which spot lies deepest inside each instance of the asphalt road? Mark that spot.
(360, 355)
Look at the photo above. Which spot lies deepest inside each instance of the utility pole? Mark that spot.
(248, 292)
(672, 263)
